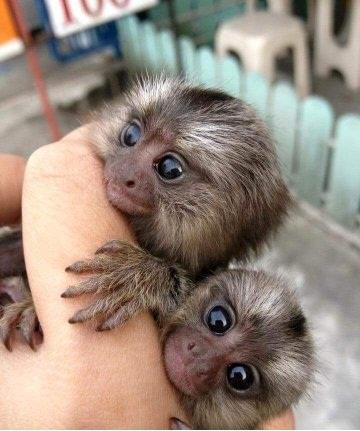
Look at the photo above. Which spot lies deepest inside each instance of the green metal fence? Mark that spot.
(320, 155)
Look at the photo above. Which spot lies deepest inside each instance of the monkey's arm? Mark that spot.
(128, 280)
(19, 314)
(16, 304)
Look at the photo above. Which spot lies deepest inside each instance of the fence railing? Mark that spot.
(320, 155)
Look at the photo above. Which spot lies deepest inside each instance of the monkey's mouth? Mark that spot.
(176, 367)
(191, 374)
(124, 201)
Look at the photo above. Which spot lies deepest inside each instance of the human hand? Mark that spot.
(77, 378)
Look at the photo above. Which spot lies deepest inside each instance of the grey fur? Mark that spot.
(234, 196)
(264, 335)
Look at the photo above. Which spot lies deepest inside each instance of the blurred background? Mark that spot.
(297, 62)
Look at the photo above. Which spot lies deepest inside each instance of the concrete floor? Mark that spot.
(69, 86)
(326, 272)
(325, 269)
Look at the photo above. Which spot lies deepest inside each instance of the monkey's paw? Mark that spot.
(127, 281)
(22, 316)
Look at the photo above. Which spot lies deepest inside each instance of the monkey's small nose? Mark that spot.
(191, 345)
(130, 184)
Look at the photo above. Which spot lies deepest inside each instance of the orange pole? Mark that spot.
(35, 70)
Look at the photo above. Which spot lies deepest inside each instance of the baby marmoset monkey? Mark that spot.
(238, 350)
(196, 173)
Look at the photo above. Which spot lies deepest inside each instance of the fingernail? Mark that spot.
(177, 424)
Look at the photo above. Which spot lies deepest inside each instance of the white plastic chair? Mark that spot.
(328, 54)
(259, 37)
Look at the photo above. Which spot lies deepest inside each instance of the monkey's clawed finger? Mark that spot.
(102, 283)
(9, 319)
(22, 316)
(103, 306)
(85, 266)
(111, 247)
(112, 309)
(120, 317)
(28, 325)
(87, 286)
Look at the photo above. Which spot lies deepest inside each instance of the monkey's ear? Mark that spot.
(177, 424)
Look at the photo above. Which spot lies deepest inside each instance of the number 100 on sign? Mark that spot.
(71, 16)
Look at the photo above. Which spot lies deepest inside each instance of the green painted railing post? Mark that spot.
(188, 59)
(282, 118)
(128, 28)
(231, 76)
(343, 197)
(150, 42)
(314, 134)
(208, 75)
(256, 92)
(167, 52)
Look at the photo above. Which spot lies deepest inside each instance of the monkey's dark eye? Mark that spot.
(131, 134)
(241, 377)
(219, 320)
(169, 167)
